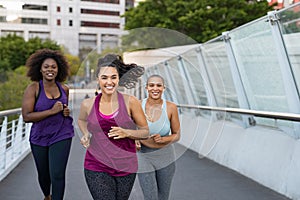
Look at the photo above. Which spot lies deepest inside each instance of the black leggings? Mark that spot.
(51, 162)
(103, 186)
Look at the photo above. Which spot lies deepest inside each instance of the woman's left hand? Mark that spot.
(157, 138)
(117, 133)
(66, 111)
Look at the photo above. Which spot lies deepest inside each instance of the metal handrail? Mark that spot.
(10, 112)
(257, 113)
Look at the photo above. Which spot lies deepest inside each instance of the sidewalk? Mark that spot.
(195, 179)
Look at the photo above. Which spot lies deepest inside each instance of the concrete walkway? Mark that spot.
(195, 179)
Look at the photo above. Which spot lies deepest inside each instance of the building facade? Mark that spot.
(75, 24)
(282, 3)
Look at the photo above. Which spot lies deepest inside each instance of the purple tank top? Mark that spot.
(116, 157)
(55, 127)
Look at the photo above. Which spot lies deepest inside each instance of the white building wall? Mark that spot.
(66, 35)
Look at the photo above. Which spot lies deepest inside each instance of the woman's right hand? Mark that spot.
(57, 107)
(137, 145)
(85, 141)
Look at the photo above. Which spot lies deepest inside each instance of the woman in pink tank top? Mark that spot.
(110, 122)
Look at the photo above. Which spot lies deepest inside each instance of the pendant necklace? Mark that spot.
(151, 111)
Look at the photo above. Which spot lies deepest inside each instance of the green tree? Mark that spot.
(15, 50)
(11, 91)
(74, 63)
(12, 52)
(200, 20)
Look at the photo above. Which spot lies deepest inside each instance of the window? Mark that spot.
(58, 9)
(2, 18)
(34, 7)
(100, 12)
(34, 21)
(70, 9)
(58, 22)
(104, 1)
(70, 22)
(100, 24)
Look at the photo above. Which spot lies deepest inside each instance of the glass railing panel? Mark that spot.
(169, 93)
(179, 81)
(197, 83)
(218, 68)
(289, 21)
(191, 64)
(144, 81)
(259, 68)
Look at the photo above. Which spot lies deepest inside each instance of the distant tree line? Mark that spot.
(201, 20)
(14, 51)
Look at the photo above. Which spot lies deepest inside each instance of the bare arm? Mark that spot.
(82, 121)
(139, 118)
(28, 102)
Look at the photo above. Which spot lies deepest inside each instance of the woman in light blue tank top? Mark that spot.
(156, 156)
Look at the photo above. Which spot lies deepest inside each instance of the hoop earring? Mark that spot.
(97, 89)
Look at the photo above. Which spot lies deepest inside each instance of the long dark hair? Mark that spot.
(128, 73)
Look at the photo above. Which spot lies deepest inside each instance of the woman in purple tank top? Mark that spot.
(45, 104)
(110, 122)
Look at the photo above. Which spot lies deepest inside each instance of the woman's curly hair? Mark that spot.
(35, 61)
(128, 73)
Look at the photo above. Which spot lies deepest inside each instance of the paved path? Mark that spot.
(195, 179)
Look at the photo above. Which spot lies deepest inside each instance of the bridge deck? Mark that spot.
(195, 179)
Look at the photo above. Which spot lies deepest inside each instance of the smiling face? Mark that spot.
(108, 79)
(155, 87)
(49, 69)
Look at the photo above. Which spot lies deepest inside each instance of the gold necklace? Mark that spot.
(150, 115)
(149, 118)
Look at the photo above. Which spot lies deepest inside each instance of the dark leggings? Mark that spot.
(103, 186)
(51, 162)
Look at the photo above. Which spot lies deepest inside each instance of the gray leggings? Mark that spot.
(103, 186)
(156, 172)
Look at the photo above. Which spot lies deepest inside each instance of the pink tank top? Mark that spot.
(116, 157)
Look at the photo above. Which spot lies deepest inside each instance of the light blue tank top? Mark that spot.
(162, 125)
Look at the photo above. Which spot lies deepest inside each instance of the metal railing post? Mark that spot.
(3, 144)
